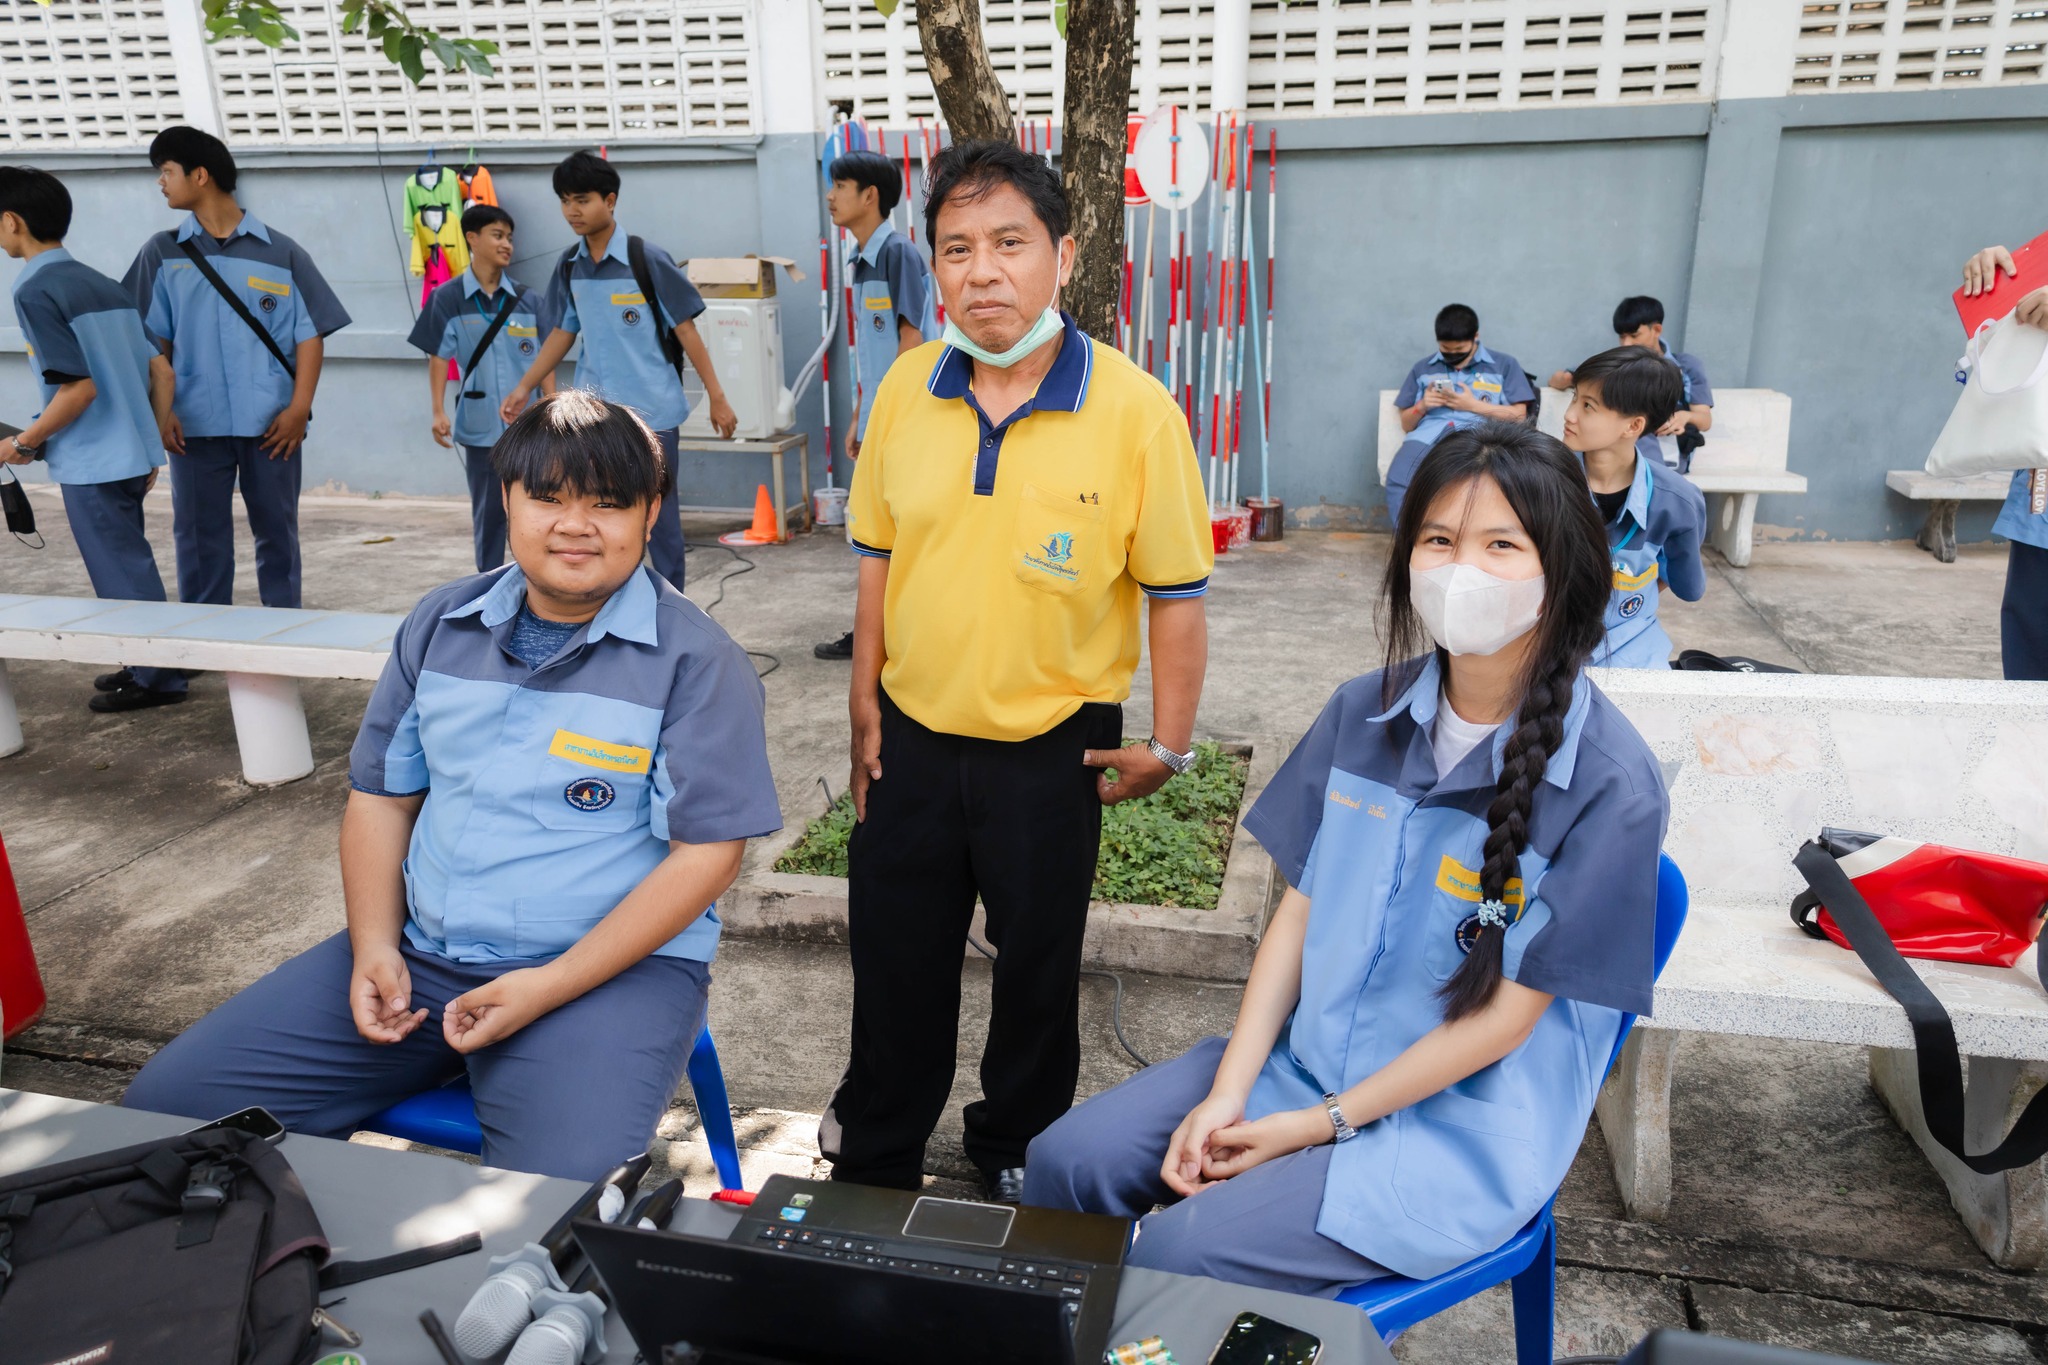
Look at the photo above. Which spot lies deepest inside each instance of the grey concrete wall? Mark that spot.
(1807, 245)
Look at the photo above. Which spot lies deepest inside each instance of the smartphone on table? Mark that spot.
(256, 1121)
(1256, 1340)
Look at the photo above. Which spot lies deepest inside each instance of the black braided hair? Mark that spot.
(1546, 486)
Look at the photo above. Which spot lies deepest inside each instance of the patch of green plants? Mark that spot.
(1167, 849)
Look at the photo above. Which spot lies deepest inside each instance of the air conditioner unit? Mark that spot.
(742, 328)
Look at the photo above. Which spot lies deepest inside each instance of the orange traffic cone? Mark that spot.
(767, 527)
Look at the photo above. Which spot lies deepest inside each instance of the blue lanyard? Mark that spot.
(1649, 487)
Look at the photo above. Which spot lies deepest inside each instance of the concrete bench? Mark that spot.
(1757, 764)
(262, 650)
(1945, 497)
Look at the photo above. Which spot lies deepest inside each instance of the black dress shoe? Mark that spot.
(113, 682)
(132, 698)
(841, 648)
(1005, 1186)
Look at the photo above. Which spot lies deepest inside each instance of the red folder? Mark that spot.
(2006, 290)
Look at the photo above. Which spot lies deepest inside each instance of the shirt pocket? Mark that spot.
(1454, 901)
(591, 785)
(544, 926)
(1055, 538)
(1466, 1168)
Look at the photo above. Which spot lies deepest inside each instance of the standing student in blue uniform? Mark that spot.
(246, 352)
(97, 431)
(555, 778)
(1458, 388)
(1655, 518)
(490, 326)
(1470, 843)
(1639, 321)
(593, 293)
(2023, 520)
(895, 308)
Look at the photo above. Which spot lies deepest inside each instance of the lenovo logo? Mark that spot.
(648, 1265)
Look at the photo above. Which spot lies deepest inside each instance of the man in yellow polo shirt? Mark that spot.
(1021, 489)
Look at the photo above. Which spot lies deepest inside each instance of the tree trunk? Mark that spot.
(956, 57)
(1099, 39)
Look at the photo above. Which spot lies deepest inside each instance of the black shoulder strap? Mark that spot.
(220, 286)
(338, 1274)
(1934, 1034)
(671, 349)
(491, 332)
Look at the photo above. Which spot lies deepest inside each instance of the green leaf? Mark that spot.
(352, 18)
(412, 57)
(477, 61)
(447, 52)
(1059, 18)
(886, 7)
(392, 38)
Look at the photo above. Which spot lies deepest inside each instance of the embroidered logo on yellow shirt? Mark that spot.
(628, 300)
(515, 330)
(1624, 581)
(1461, 881)
(598, 753)
(270, 286)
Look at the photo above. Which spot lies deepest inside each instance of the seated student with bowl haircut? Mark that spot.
(102, 382)
(1458, 388)
(1639, 321)
(461, 325)
(554, 780)
(1654, 516)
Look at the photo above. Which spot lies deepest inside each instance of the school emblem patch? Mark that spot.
(1060, 548)
(631, 317)
(268, 303)
(590, 793)
(526, 348)
(1468, 934)
(879, 322)
(1630, 605)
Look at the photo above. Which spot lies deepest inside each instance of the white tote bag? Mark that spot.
(2001, 421)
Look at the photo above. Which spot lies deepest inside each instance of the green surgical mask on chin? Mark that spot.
(1045, 329)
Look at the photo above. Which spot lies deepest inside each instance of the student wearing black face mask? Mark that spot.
(1459, 387)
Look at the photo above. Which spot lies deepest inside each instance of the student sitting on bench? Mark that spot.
(554, 780)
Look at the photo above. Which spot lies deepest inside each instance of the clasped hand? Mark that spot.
(1214, 1143)
(380, 998)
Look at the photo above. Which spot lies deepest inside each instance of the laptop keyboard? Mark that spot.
(1029, 1277)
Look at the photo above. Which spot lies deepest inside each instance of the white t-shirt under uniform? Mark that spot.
(1453, 737)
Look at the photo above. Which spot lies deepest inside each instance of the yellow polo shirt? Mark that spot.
(1018, 552)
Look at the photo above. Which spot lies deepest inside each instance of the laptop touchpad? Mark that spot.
(959, 1221)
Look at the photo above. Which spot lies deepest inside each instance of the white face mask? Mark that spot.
(1469, 611)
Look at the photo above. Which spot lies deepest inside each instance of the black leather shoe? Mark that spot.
(1005, 1186)
(113, 682)
(133, 698)
(841, 648)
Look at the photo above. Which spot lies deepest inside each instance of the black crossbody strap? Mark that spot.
(1934, 1034)
(491, 332)
(337, 1274)
(234, 301)
(664, 335)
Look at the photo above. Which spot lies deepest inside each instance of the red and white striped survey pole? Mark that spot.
(1169, 157)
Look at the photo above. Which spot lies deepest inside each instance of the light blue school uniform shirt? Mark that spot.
(1491, 377)
(455, 319)
(1697, 390)
(1654, 538)
(1389, 853)
(622, 359)
(81, 325)
(2017, 519)
(890, 282)
(553, 790)
(229, 384)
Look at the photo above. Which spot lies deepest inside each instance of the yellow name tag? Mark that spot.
(1461, 881)
(270, 286)
(513, 329)
(1486, 385)
(877, 305)
(1624, 581)
(598, 753)
(628, 300)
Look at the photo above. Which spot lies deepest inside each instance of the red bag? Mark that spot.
(21, 986)
(1889, 898)
(1946, 904)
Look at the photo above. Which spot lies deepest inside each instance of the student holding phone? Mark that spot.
(1470, 839)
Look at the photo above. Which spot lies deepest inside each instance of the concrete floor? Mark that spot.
(157, 883)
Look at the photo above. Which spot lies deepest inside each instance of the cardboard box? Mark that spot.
(739, 277)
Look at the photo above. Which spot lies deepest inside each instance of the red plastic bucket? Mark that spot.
(21, 985)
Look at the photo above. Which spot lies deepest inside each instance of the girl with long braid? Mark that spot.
(1470, 838)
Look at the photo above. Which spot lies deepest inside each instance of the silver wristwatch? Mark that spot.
(1180, 763)
(1344, 1131)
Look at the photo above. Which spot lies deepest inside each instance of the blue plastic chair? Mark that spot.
(446, 1117)
(1528, 1260)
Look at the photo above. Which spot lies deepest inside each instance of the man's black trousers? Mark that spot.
(1019, 824)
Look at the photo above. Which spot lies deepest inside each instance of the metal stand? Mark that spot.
(774, 447)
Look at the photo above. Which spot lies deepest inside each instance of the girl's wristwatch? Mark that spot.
(1179, 763)
(1344, 1131)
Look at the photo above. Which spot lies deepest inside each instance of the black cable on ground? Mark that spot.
(746, 566)
(1116, 1004)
